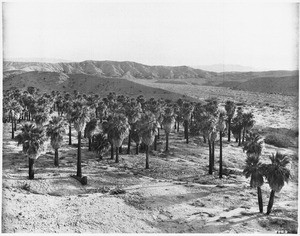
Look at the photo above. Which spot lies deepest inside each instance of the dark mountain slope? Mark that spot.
(49, 81)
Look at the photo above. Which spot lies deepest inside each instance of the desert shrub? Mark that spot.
(277, 140)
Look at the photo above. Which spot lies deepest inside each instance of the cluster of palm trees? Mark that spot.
(108, 121)
(276, 172)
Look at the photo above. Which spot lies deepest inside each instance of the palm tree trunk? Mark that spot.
(15, 125)
(56, 158)
(31, 168)
(12, 129)
(175, 126)
(271, 201)
(117, 154)
(204, 139)
(186, 130)
(240, 133)
(111, 151)
(79, 174)
(129, 142)
(90, 143)
(167, 141)
(178, 127)
(244, 132)
(70, 134)
(158, 135)
(147, 157)
(260, 201)
(213, 154)
(137, 149)
(210, 161)
(229, 129)
(221, 157)
(121, 149)
(155, 142)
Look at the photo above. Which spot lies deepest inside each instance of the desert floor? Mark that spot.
(176, 195)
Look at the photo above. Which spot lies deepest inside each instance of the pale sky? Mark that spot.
(258, 35)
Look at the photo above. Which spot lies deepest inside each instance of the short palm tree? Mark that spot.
(100, 144)
(33, 141)
(136, 137)
(230, 109)
(55, 130)
(277, 174)
(91, 128)
(118, 131)
(168, 123)
(147, 129)
(255, 170)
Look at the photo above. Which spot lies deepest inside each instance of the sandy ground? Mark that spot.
(175, 196)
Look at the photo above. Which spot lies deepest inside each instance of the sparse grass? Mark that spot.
(278, 140)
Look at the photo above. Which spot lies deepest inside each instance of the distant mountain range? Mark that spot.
(285, 82)
(225, 68)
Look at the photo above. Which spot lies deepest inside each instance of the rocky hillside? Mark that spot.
(112, 69)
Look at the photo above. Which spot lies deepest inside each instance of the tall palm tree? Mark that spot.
(55, 130)
(14, 110)
(276, 173)
(147, 128)
(221, 126)
(33, 140)
(255, 170)
(80, 116)
(168, 122)
(230, 109)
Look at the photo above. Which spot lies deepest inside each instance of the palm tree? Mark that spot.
(187, 110)
(14, 110)
(33, 140)
(41, 118)
(248, 123)
(133, 111)
(80, 116)
(168, 123)
(100, 144)
(147, 128)
(253, 144)
(221, 126)
(237, 127)
(68, 109)
(55, 130)
(117, 129)
(91, 128)
(276, 173)
(136, 137)
(230, 109)
(255, 170)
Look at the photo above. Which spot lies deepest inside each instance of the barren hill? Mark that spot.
(48, 81)
(287, 85)
(112, 69)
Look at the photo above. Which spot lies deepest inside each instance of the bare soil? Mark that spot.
(176, 195)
